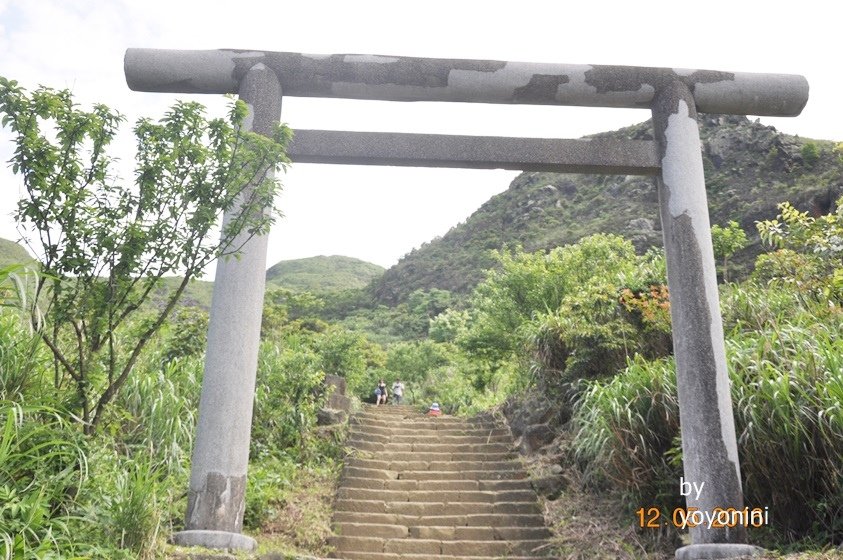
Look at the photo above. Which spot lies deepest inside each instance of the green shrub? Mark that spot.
(287, 396)
(268, 479)
(569, 313)
(414, 363)
(188, 330)
(349, 355)
(810, 252)
(810, 154)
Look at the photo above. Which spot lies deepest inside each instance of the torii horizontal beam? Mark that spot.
(595, 155)
(399, 78)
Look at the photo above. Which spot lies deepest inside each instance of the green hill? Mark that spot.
(315, 274)
(321, 274)
(12, 253)
(749, 169)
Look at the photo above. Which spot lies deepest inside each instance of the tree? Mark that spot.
(727, 241)
(104, 246)
(810, 154)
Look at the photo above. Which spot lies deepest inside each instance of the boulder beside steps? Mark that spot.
(419, 487)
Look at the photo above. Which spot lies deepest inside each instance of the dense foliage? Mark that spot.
(784, 349)
(104, 246)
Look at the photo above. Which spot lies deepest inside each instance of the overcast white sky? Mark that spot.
(375, 213)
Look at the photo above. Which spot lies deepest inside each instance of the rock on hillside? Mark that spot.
(749, 169)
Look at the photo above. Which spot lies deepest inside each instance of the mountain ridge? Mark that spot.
(315, 274)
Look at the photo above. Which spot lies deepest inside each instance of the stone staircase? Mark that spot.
(421, 487)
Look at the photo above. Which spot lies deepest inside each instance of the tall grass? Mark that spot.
(22, 362)
(126, 507)
(288, 395)
(628, 430)
(42, 467)
(158, 408)
(787, 392)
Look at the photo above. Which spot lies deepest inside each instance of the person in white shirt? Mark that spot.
(397, 391)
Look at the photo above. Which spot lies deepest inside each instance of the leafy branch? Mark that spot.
(105, 246)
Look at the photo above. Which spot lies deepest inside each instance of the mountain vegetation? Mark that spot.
(749, 167)
(323, 274)
(12, 253)
(556, 288)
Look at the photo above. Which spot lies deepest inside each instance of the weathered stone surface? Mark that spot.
(709, 443)
(398, 78)
(330, 417)
(523, 413)
(550, 486)
(536, 437)
(221, 451)
(641, 225)
(337, 382)
(214, 539)
(634, 157)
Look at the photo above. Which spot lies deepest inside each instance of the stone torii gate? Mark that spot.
(674, 96)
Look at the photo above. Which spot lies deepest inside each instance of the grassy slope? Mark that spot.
(316, 274)
(320, 274)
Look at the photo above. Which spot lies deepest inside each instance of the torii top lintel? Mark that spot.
(398, 78)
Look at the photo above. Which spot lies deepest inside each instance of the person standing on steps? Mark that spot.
(381, 393)
(397, 391)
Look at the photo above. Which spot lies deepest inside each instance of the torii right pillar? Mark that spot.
(709, 444)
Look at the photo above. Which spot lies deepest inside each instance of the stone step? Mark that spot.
(421, 487)
(433, 485)
(389, 412)
(436, 547)
(434, 437)
(393, 456)
(401, 466)
(430, 423)
(435, 508)
(433, 432)
(382, 474)
(395, 556)
(447, 496)
(424, 428)
(430, 447)
(465, 520)
(444, 532)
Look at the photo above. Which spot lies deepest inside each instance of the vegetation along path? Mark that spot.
(418, 487)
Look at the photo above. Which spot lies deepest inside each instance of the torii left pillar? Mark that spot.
(216, 497)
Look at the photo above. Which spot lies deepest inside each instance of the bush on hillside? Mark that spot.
(787, 393)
